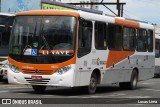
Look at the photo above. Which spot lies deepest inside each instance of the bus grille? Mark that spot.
(39, 72)
(43, 81)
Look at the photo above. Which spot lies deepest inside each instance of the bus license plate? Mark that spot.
(36, 77)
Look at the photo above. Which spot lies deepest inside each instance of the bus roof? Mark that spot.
(6, 14)
(157, 37)
(91, 16)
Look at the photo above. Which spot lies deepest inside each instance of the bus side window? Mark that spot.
(84, 37)
(141, 40)
(157, 51)
(114, 37)
(128, 38)
(100, 36)
(150, 41)
(6, 35)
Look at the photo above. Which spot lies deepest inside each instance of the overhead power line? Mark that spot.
(118, 4)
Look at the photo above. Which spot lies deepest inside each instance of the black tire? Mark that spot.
(156, 75)
(38, 88)
(91, 89)
(133, 82)
(1, 77)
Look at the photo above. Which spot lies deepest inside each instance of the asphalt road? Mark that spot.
(105, 94)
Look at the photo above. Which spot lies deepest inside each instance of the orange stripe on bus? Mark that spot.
(49, 12)
(116, 56)
(127, 23)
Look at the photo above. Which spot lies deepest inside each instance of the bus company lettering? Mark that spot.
(27, 67)
(56, 52)
(98, 62)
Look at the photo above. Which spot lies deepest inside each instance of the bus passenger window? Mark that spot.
(150, 41)
(157, 51)
(141, 40)
(114, 36)
(100, 36)
(128, 38)
(84, 38)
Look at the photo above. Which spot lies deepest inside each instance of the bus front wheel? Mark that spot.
(38, 88)
(93, 84)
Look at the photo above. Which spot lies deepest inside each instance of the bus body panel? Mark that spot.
(83, 70)
(157, 66)
(157, 56)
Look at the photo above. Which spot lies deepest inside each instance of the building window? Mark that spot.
(114, 37)
(100, 36)
(87, 4)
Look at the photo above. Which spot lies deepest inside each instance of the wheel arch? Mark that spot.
(98, 74)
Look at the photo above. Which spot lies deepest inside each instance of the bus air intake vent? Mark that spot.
(43, 81)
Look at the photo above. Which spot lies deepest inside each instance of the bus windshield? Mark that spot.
(5, 29)
(42, 37)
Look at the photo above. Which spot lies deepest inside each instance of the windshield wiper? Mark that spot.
(44, 39)
(45, 42)
(34, 34)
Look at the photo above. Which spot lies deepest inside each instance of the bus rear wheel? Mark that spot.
(91, 89)
(38, 88)
(133, 82)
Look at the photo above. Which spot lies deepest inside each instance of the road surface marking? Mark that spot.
(134, 96)
(151, 90)
(94, 96)
(48, 95)
(4, 91)
(147, 83)
(73, 96)
(21, 93)
(113, 95)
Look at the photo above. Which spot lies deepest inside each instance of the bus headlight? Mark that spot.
(61, 71)
(14, 68)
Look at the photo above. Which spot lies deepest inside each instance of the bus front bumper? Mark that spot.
(66, 79)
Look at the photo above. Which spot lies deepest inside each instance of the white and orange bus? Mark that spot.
(6, 21)
(76, 48)
(157, 56)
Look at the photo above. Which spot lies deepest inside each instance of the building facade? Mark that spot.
(157, 30)
(14, 6)
(81, 1)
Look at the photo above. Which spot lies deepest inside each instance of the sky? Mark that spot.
(143, 10)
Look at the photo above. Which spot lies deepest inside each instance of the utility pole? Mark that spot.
(0, 5)
(118, 5)
(118, 8)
